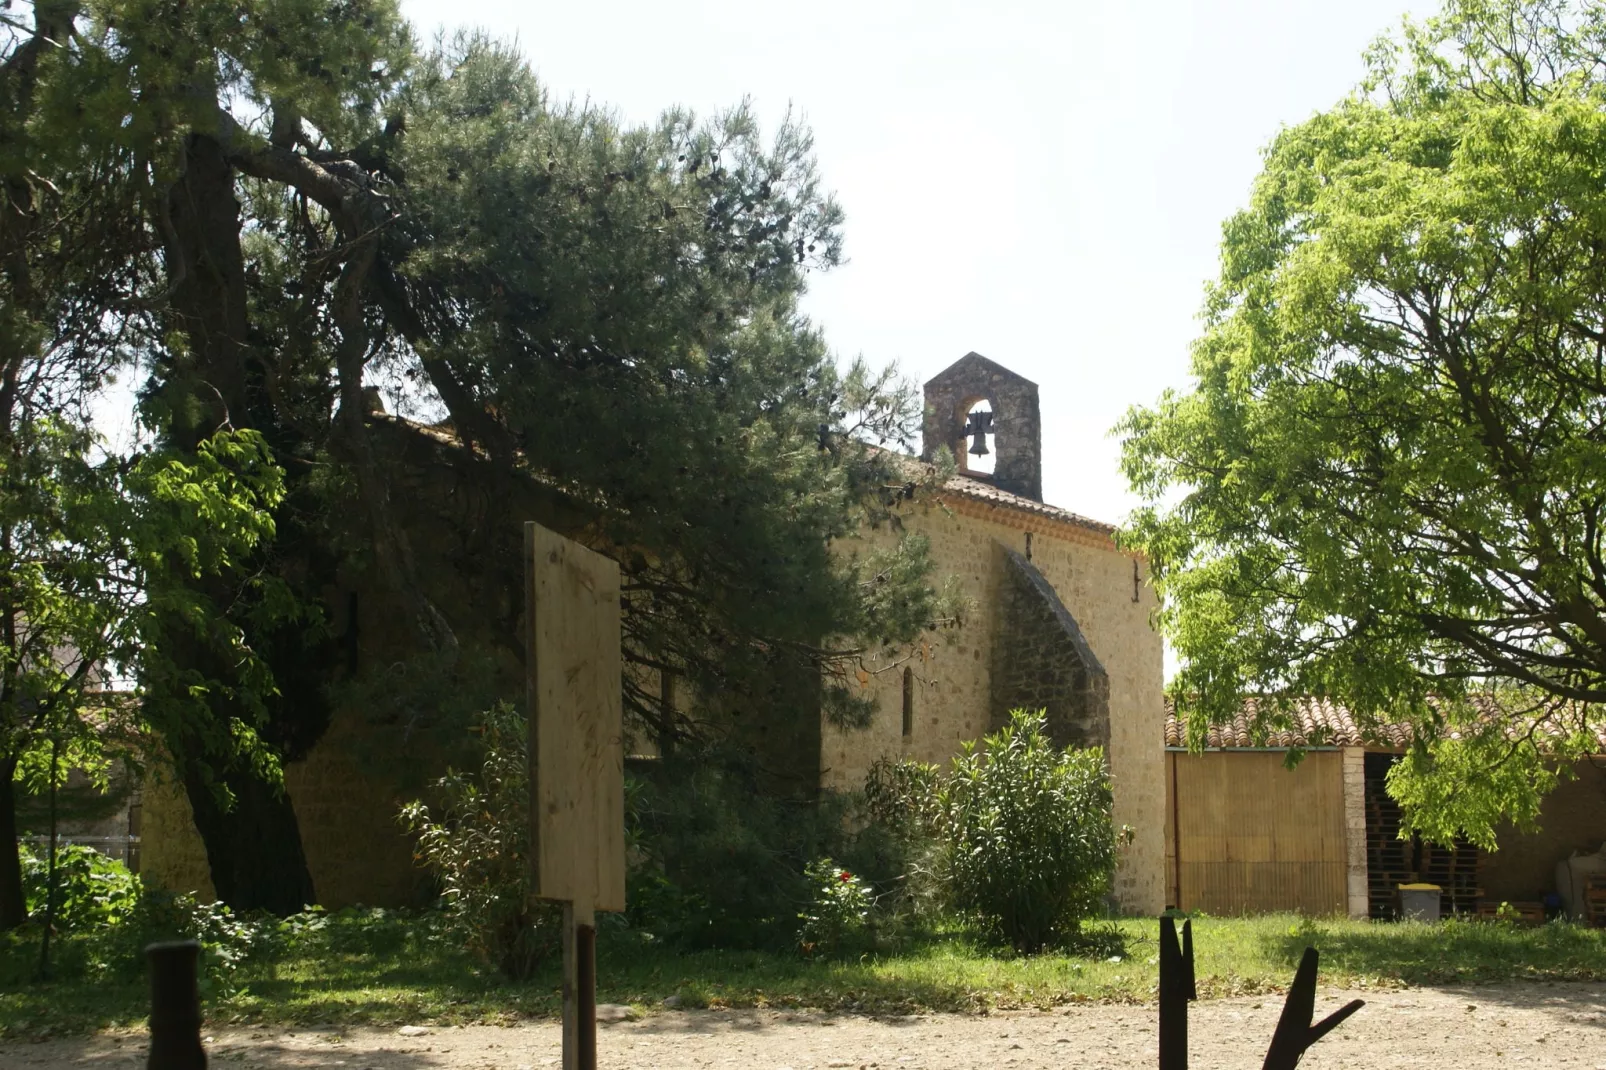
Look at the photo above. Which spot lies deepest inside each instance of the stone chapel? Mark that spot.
(1058, 619)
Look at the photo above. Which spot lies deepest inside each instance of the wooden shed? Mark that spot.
(1247, 834)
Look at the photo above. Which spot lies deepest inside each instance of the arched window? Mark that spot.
(908, 702)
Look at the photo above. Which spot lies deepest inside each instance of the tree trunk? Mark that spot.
(206, 262)
(254, 847)
(13, 910)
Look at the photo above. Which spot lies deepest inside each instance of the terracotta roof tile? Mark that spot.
(1309, 722)
(983, 491)
(1306, 722)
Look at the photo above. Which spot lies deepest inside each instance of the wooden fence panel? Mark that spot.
(1251, 836)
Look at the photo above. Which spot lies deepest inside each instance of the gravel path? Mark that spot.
(1531, 1026)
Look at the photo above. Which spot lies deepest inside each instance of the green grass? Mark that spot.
(396, 969)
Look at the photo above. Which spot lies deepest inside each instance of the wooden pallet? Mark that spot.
(1391, 861)
(1527, 912)
(1595, 900)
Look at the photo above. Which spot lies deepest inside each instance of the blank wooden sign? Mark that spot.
(576, 745)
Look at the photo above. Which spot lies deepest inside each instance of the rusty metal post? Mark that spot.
(175, 1007)
(579, 988)
(585, 951)
(1295, 1033)
(1176, 989)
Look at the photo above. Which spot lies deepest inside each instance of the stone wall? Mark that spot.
(346, 792)
(387, 740)
(1358, 900)
(347, 810)
(951, 668)
(1040, 661)
(171, 855)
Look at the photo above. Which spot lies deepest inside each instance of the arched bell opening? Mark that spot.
(978, 454)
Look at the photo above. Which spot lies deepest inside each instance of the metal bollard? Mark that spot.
(175, 1007)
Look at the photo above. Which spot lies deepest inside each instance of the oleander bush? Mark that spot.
(1028, 841)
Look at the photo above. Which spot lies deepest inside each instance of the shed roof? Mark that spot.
(1306, 722)
(1310, 722)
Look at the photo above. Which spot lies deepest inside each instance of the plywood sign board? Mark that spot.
(576, 742)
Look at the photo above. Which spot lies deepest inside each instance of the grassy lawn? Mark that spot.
(394, 970)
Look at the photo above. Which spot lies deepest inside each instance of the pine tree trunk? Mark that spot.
(253, 848)
(13, 910)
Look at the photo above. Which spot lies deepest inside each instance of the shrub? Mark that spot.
(1029, 845)
(106, 917)
(93, 891)
(228, 942)
(477, 845)
(719, 859)
(838, 915)
(902, 838)
(902, 796)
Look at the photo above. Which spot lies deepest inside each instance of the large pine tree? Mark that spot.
(604, 312)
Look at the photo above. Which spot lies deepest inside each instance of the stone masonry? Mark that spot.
(952, 667)
(1017, 423)
(1041, 661)
(1057, 616)
(1357, 898)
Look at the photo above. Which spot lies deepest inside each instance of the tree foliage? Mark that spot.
(1387, 484)
(95, 555)
(277, 207)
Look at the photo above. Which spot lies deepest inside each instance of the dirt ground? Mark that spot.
(1532, 1026)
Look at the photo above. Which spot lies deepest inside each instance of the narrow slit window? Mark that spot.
(908, 703)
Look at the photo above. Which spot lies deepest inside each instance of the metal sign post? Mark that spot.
(576, 759)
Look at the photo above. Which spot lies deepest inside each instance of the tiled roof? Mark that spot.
(1309, 722)
(981, 490)
(975, 489)
(1315, 722)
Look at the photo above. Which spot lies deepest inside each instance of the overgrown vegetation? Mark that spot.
(1015, 842)
(391, 968)
(721, 861)
(104, 918)
(476, 843)
(369, 210)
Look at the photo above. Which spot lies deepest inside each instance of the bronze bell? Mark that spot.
(978, 425)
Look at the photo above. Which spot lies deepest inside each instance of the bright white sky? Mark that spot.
(1042, 183)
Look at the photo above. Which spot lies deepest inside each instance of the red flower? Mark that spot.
(846, 875)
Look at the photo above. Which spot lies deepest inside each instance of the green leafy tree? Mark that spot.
(94, 555)
(1387, 484)
(91, 545)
